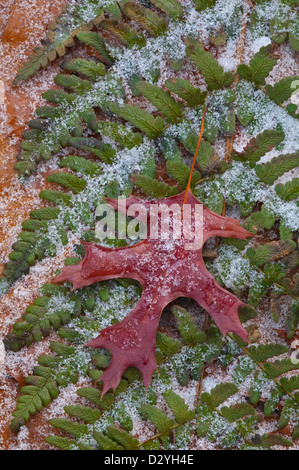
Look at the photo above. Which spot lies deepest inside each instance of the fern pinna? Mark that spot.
(118, 116)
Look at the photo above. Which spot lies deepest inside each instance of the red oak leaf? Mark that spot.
(166, 270)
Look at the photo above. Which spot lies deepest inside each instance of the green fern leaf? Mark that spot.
(105, 442)
(171, 109)
(272, 401)
(183, 88)
(129, 36)
(89, 68)
(213, 73)
(293, 38)
(279, 367)
(38, 393)
(292, 320)
(290, 384)
(288, 191)
(149, 20)
(282, 90)
(95, 40)
(172, 8)
(59, 97)
(73, 428)
(35, 62)
(238, 411)
(259, 67)
(60, 36)
(158, 418)
(86, 414)
(201, 5)
(257, 386)
(74, 83)
(122, 437)
(205, 417)
(187, 326)
(289, 409)
(47, 213)
(270, 440)
(270, 171)
(181, 172)
(57, 197)
(153, 188)
(259, 255)
(103, 151)
(152, 127)
(68, 180)
(219, 394)
(121, 134)
(263, 218)
(259, 146)
(167, 345)
(180, 410)
(207, 158)
(94, 395)
(62, 443)
(295, 434)
(81, 165)
(265, 351)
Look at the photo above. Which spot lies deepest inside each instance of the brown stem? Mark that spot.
(195, 155)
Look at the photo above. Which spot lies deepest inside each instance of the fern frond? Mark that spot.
(259, 67)
(171, 109)
(146, 18)
(172, 8)
(68, 180)
(187, 327)
(288, 191)
(282, 90)
(152, 127)
(38, 392)
(73, 428)
(213, 73)
(259, 146)
(80, 165)
(180, 410)
(121, 134)
(122, 437)
(89, 68)
(272, 170)
(129, 36)
(183, 88)
(61, 36)
(97, 42)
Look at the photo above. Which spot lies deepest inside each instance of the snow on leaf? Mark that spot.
(166, 271)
